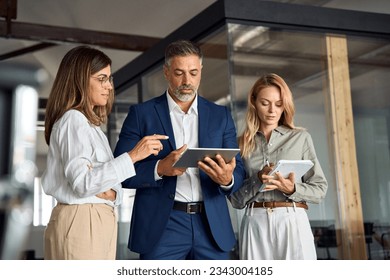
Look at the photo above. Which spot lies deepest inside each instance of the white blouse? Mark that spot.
(80, 163)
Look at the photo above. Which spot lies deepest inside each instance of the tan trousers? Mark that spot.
(81, 232)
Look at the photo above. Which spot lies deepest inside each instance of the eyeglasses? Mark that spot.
(103, 79)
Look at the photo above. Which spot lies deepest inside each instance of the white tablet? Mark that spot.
(191, 156)
(285, 167)
(299, 167)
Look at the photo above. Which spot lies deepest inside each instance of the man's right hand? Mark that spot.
(165, 166)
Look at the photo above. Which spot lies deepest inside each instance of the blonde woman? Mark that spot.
(82, 174)
(275, 225)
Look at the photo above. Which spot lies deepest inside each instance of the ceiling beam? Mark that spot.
(8, 9)
(33, 48)
(54, 34)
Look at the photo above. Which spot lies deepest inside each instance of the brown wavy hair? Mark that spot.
(71, 88)
(247, 139)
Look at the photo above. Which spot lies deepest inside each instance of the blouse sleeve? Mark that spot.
(248, 191)
(89, 169)
(314, 185)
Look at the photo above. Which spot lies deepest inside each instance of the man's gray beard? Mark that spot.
(184, 97)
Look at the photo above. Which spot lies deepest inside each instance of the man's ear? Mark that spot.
(165, 70)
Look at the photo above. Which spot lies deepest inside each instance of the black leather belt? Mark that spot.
(189, 207)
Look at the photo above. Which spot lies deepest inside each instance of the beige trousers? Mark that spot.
(81, 232)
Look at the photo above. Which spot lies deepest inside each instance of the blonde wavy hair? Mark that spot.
(247, 139)
(71, 88)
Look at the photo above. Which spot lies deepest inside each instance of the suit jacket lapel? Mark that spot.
(203, 139)
(203, 127)
(163, 113)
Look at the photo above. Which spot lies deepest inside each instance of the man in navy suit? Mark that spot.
(182, 213)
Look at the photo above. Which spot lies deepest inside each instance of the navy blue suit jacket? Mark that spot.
(154, 199)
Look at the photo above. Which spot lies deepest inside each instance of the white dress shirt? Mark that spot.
(80, 163)
(185, 130)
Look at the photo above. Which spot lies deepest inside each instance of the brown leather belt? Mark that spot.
(275, 204)
(189, 207)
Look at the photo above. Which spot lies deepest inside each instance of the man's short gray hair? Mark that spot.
(182, 48)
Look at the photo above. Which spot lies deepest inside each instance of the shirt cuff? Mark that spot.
(119, 196)
(124, 167)
(156, 176)
(226, 188)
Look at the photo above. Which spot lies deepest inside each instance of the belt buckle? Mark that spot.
(268, 209)
(190, 206)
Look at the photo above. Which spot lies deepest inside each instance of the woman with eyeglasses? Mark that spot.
(82, 174)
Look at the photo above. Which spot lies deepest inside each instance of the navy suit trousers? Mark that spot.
(187, 236)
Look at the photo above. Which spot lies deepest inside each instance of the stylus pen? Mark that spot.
(267, 162)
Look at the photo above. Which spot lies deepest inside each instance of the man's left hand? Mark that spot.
(218, 170)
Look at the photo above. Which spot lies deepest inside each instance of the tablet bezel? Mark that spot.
(191, 156)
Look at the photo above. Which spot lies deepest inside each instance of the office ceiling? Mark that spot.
(42, 31)
(130, 26)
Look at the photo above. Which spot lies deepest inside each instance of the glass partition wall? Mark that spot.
(369, 66)
(298, 57)
(341, 86)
